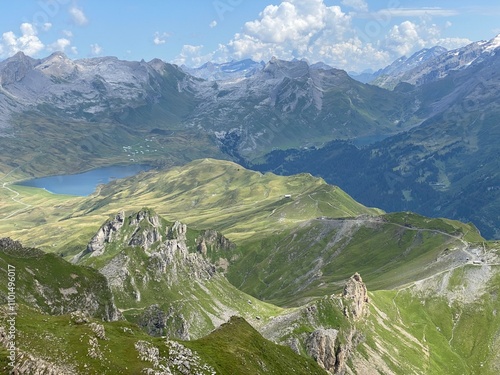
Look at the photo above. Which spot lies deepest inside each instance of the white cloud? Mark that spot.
(192, 56)
(95, 49)
(408, 37)
(78, 16)
(360, 5)
(67, 33)
(293, 29)
(28, 42)
(404, 38)
(46, 26)
(74, 50)
(59, 45)
(212, 24)
(160, 38)
(315, 31)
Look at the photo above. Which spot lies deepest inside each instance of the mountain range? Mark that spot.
(446, 166)
(280, 231)
(437, 126)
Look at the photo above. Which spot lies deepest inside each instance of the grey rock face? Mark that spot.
(105, 235)
(321, 345)
(355, 291)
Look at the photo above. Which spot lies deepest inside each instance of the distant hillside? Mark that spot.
(445, 167)
(100, 111)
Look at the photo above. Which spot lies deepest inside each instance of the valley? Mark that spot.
(276, 217)
(280, 263)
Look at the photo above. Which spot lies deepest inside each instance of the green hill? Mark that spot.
(315, 258)
(205, 194)
(52, 285)
(292, 241)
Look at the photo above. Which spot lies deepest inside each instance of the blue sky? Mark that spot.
(347, 34)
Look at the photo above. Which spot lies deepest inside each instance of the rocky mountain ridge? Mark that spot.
(153, 266)
(400, 66)
(280, 103)
(440, 64)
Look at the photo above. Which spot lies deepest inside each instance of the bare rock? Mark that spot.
(355, 291)
(321, 345)
(105, 235)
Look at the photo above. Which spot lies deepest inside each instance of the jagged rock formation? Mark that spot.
(330, 345)
(331, 348)
(154, 267)
(355, 291)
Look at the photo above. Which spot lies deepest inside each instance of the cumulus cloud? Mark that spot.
(293, 29)
(78, 16)
(160, 38)
(95, 49)
(46, 26)
(212, 24)
(28, 42)
(192, 56)
(315, 31)
(408, 36)
(59, 45)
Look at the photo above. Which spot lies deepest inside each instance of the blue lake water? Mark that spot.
(84, 184)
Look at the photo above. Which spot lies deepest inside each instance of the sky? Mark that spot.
(348, 34)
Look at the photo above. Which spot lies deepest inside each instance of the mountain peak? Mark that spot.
(291, 69)
(493, 44)
(57, 55)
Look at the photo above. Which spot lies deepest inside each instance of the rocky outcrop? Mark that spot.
(149, 254)
(356, 296)
(321, 346)
(157, 322)
(104, 235)
(8, 243)
(213, 240)
(145, 236)
(332, 347)
(27, 363)
(180, 360)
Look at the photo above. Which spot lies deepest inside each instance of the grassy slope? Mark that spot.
(204, 194)
(234, 346)
(54, 285)
(388, 251)
(394, 334)
(430, 333)
(237, 348)
(250, 209)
